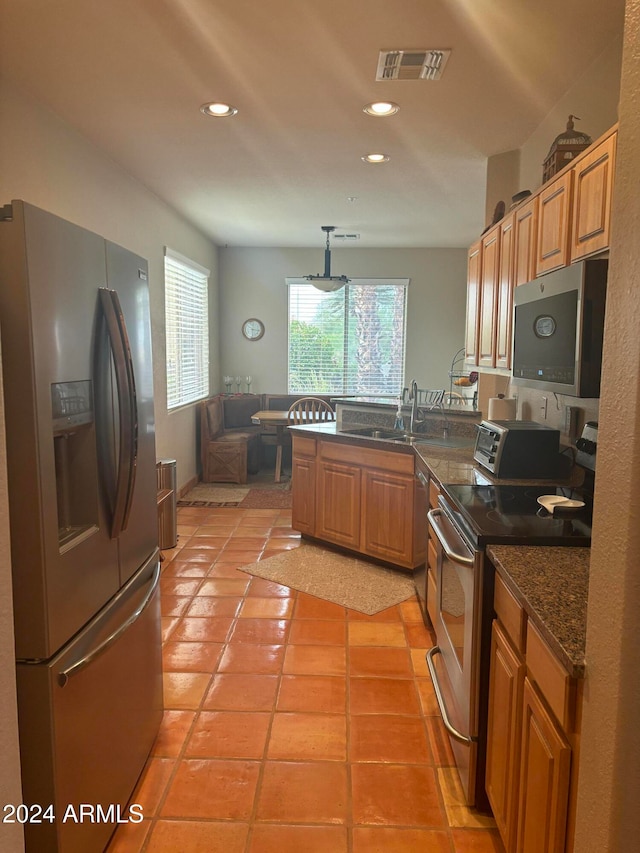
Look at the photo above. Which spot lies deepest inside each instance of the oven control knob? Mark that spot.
(586, 446)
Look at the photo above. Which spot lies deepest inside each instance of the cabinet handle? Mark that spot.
(440, 699)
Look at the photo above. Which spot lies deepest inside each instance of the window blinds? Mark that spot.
(187, 329)
(351, 341)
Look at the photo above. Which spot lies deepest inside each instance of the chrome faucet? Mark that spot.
(413, 397)
(440, 405)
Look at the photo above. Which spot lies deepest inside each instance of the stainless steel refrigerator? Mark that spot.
(78, 385)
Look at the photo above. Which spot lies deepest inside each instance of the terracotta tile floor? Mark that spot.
(291, 724)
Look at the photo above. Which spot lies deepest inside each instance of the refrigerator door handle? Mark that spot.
(128, 420)
(65, 674)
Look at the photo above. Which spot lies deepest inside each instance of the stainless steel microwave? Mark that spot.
(518, 449)
(558, 327)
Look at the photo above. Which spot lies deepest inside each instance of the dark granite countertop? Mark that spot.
(552, 585)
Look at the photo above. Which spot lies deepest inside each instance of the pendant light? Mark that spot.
(327, 282)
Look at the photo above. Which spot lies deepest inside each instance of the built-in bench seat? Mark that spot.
(231, 445)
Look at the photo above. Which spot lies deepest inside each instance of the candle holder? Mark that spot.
(227, 383)
(248, 380)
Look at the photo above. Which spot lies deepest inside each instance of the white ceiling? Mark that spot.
(131, 75)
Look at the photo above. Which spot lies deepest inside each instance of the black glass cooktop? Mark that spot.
(512, 515)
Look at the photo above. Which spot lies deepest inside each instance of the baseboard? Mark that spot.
(188, 486)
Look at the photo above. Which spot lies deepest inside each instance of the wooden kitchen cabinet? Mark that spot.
(505, 284)
(387, 516)
(303, 475)
(554, 213)
(488, 298)
(362, 498)
(503, 733)
(544, 778)
(532, 735)
(592, 196)
(338, 503)
(525, 233)
(566, 220)
(474, 267)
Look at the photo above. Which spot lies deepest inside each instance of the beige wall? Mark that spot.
(608, 814)
(253, 285)
(594, 97)
(45, 162)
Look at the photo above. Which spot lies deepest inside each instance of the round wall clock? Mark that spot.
(253, 329)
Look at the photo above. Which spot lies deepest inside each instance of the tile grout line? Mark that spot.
(181, 753)
(258, 791)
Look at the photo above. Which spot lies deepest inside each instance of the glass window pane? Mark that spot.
(351, 341)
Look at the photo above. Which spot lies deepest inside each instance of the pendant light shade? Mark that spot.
(327, 282)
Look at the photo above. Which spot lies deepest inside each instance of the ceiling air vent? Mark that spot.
(346, 237)
(411, 64)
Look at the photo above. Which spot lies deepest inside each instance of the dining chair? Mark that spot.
(310, 409)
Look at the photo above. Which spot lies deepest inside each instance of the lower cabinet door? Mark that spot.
(388, 516)
(303, 495)
(506, 683)
(338, 503)
(544, 779)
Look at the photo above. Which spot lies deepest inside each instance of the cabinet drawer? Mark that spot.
(304, 446)
(554, 682)
(383, 460)
(434, 493)
(510, 613)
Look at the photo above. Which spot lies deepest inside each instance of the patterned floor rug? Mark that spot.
(348, 581)
(260, 492)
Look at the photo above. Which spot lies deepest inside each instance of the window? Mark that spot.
(186, 303)
(351, 341)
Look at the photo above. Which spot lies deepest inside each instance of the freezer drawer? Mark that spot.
(88, 718)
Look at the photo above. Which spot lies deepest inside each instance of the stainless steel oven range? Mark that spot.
(467, 519)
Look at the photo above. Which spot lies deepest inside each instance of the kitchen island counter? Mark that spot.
(552, 585)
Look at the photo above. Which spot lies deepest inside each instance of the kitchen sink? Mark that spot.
(401, 437)
(395, 435)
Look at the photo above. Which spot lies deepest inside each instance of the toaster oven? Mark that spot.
(518, 449)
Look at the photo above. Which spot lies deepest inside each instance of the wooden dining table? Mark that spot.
(279, 420)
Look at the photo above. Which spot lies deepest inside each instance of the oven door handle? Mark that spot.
(440, 699)
(461, 559)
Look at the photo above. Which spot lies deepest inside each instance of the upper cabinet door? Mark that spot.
(473, 303)
(554, 212)
(505, 294)
(489, 298)
(525, 233)
(593, 189)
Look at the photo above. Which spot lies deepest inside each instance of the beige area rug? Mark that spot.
(335, 577)
(214, 494)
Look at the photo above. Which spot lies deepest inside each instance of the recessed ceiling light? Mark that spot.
(375, 158)
(381, 108)
(218, 110)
